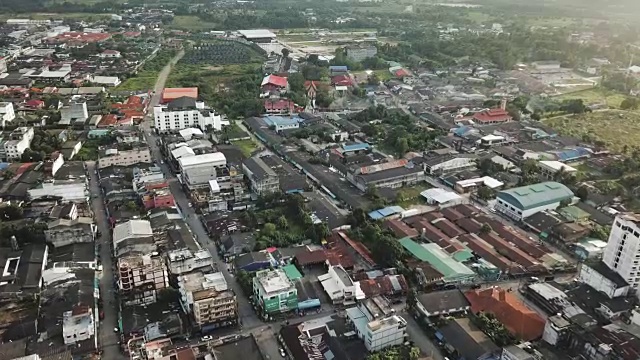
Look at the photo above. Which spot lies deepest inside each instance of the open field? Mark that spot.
(616, 128)
(246, 146)
(143, 81)
(594, 96)
(190, 23)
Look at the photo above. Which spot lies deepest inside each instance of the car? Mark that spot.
(282, 353)
(207, 338)
(115, 330)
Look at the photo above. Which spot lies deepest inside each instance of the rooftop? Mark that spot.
(130, 229)
(257, 34)
(216, 157)
(608, 273)
(438, 258)
(273, 281)
(439, 301)
(532, 196)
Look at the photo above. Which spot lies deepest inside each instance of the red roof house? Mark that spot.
(402, 73)
(280, 106)
(34, 104)
(492, 116)
(521, 321)
(169, 94)
(274, 83)
(341, 80)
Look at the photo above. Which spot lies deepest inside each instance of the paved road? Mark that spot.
(108, 339)
(420, 338)
(162, 79)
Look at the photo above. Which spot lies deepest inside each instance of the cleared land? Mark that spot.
(594, 96)
(616, 128)
(190, 23)
(246, 146)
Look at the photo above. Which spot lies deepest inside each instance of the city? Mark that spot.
(348, 180)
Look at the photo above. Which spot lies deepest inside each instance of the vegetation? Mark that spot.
(146, 78)
(218, 52)
(401, 352)
(494, 329)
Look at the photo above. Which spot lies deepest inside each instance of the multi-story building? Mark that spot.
(7, 114)
(141, 277)
(377, 325)
(198, 170)
(274, 292)
(549, 169)
(208, 300)
(184, 261)
(115, 157)
(340, 287)
(622, 253)
(185, 112)
(78, 324)
(18, 141)
(262, 178)
(133, 237)
(359, 53)
(62, 232)
(74, 111)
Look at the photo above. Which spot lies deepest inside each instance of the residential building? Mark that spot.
(115, 157)
(604, 279)
(141, 277)
(622, 253)
(279, 123)
(359, 53)
(274, 84)
(274, 292)
(74, 111)
(549, 169)
(442, 303)
(465, 340)
(377, 324)
(185, 112)
(133, 236)
(110, 54)
(446, 164)
(208, 300)
(78, 324)
(74, 190)
(261, 177)
(522, 202)
(198, 170)
(17, 142)
(184, 261)
(7, 113)
(393, 174)
(340, 287)
(62, 232)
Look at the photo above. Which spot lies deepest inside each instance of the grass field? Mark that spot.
(190, 23)
(616, 128)
(246, 146)
(594, 96)
(146, 80)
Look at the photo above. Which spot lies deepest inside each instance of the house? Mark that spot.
(110, 54)
(446, 164)
(280, 106)
(340, 287)
(338, 70)
(521, 321)
(341, 80)
(550, 169)
(442, 303)
(274, 84)
(253, 261)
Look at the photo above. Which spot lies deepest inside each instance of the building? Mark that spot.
(115, 157)
(442, 303)
(74, 111)
(261, 177)
(546, 65)
(549, 169)
(340, 287)
(493, 116)
(257, 35)
(141, 277)
(184, 261)
(376, 323)
(78, 324)
(442, 197)
(274, 292)
(521, 321)
(622, 253)
(62, 232)
(453, 271)
(208, 300)
(170, 94)
(470, 185)
(393, 174)
(110, 54)
(133, 236)
(7, 113)
(17, 142)
(274, 84)
(359, 53)
(74, 190)
(521, 202)
(186, 112)
(198, 170)
(446, 164)
(465, 340)
(279, 123)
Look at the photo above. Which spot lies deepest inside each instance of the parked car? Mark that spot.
(207, 338)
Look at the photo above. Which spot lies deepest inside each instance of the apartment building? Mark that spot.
(274, 292)
(208, 300)
(549, 169)
(115, 157)
(141, 277)
(184, 261)
(186, 112)
(78, 324)
(622, 254)
(340, 287)
(62, 232)
(377, 325)
(17, 142)
(7, 113)
(198, 170)
(263, 179)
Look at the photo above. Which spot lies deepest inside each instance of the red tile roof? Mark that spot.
(279, 105)
(383, 286)
(169, 94)
(275, 80)
(358, 247)
(306, 257)
(400, 228)
(80, 37)
(492, 115)
(509, 310)
(402, 73)
(341, 80)
(34, 103)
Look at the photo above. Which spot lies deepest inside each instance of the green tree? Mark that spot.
(583, 192)
(485, 228)
(486, 193)
(282, 223)
(269, 229)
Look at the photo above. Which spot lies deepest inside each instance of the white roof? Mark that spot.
(257, 33)
(486, 180)
(131, 229)
(181, 152)
(216, 157)
(492, 137)
(104, 79)
(440, 195)
(214, 186)
(557, 165)
(342, 88)
(188, 133)
(635, 69)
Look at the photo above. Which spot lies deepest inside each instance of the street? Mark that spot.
(108, 339)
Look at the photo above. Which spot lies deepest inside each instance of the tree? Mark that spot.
(285, 52)
(485, 229)
(11, 212)
(282, 223)
(629, 104)
(269, 229)
(486, 193)
(373, 79)
(565, 203)
(583, 192)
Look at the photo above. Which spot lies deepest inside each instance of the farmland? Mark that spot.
(614, 128)
(594, 96)
(190, 23)
(222, 52)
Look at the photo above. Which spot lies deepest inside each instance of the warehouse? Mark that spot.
(522, 202)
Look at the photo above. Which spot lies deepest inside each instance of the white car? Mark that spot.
(282, 353)
(207, 338)
(115, 330)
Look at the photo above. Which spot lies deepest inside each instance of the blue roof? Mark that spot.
(281, 121)
(4, 165)
(356, 147)
(571, 154)
(376, 215)
(384, 212)
(338, 68)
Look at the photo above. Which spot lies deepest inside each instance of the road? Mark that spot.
(162, 79)
(108, 339)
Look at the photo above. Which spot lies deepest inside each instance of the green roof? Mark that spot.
(292, 272)
(438, 258)
(532, 196)
(573, 213)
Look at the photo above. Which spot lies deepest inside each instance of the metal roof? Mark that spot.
(532, 196)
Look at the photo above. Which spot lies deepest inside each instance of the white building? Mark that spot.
(19, 141)
(263, 179)
(522, 202)
(133, 236)
(622, 253)
(208, 299)
(74, 111)
(441, 197)
(549, 169)
(198, 170)
(600, 277)
(449, 163)
(340, 287)
(78, 324)
(377, 325)
(113, 157)
(359, 53)
(141, 277)
(69, 190)
(185, 261)
(7, 113)
(104, 80)
(186, 112)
